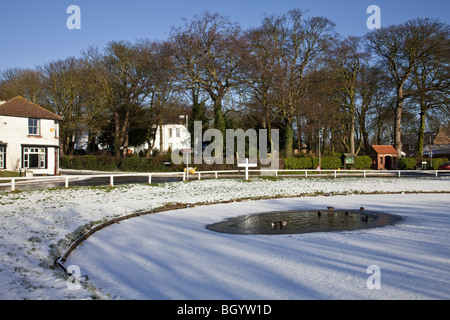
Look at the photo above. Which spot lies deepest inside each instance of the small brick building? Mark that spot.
(384, 157)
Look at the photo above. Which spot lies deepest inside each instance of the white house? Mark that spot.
(174, 136)
(29, 137)
(171, 137)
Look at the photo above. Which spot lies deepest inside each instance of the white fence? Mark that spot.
(66, 179)
(13, 181)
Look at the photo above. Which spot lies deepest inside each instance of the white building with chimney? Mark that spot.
(29, 138)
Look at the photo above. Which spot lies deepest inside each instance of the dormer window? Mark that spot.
(33, 127)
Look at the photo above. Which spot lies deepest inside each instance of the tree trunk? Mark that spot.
(352, 133)
(288, 138)
(161, 139)
(299, 135)
(116, 141)
(219, 121)
(364, 133)
(398, 121)
(421, 133)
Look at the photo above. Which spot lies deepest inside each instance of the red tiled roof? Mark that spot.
(380, 149)
(21, 107)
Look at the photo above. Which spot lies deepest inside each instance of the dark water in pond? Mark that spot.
(292, 222)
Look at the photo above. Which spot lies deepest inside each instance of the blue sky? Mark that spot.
(34, 32)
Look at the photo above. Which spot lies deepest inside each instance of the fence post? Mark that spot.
(399, 173)
(111, 181)
(436, 173)
(13, 184)
(150, 178)
(198, 175)
(66, 183)
(364, 173)
(306, 173)
(334, 173)
(215, 173)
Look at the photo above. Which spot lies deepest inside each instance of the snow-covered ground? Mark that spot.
(170, 255)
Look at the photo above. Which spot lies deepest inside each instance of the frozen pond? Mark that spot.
(304, 221)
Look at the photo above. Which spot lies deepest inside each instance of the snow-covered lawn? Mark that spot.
(170, 255)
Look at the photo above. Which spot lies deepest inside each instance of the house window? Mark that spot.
(35, 157)
(411, 146)
(170, 132)
(381, 159)
(2, 157)
(33, 127)
(178, 133)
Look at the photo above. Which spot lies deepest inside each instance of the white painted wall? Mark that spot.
(14, 132)
(171, 139)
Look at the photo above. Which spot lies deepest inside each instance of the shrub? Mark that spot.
(76, 163)
(64, 162)
(298, 163)
(106, 163)
(407, 163)
(4, 173)
(89, 162)
(328, 162)
(438, 161)
(363, 162)
(143, 164)
(312, 163)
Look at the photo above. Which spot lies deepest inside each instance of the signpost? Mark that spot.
(246, 165)
(187, 152)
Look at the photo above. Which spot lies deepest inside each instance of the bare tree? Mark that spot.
(124, 89)
(64, 88)
(21, 82)
(161, 79)
(209, 52)
(346, 61)
(400, 49)
(430, 82)
(298, 42)
(261, 70)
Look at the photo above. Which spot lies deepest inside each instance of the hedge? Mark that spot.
(298, 163)
(89, 162)
(410, 163)
(134, 164)
(407, 163)
(108, 163)
(362, 162)
(312, 163)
